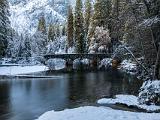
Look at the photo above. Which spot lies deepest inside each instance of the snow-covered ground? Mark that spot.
(16, 70)
(128, 100)
(97, 113)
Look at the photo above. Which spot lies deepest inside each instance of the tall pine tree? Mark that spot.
(101, 17)
(87, 20)
(88, 15)
(39, 39)
(58, 32)
(51, 33)
(4, 26)
(42, 25)
(64, 30)
(102, 10)
(70, 28)
(79, 28)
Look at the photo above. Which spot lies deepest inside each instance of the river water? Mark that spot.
(28, 98)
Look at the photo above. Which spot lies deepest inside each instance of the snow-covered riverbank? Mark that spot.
(130, 101)
(17, 70)
(97, 113)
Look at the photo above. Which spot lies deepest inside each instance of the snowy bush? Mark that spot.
(30, 61)
(150, 92)
(57, 46)
(105, 63)
(100, 41)
(78, 63)
(55, 64)
(128, 66)
(121, 52)
(39, 42)
(71, 50)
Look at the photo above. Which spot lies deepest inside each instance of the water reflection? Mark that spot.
(4, 99)
(26, 99)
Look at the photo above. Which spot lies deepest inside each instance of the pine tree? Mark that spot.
(4, 26)
(87, 20)
(42, 25)
(51, 33)
(119, 13)
(70, 28)
(88, 15)
(153, 11)
(79, 28)
(58, 31)
(39, 39)
(63, 31)
(25, 47)
(102, 9)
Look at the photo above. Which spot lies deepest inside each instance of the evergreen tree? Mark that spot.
(70, 28)
(4, 26)
(63, 31)
(58, 31)
(79, 28)
(51, 33)
(88, 15)
(153, 12)
(25, 47)
(101, 17)
(39, 39)
(102, 9)
(42, 25)
(119, 15)
(38, 45)
(87, 20)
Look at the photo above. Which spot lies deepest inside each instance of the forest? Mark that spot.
(129, 30)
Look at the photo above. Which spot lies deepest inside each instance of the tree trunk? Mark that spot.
(156, 74)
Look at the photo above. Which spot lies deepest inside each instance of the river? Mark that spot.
(28, 98)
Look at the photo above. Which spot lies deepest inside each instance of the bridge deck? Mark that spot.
(75, 56)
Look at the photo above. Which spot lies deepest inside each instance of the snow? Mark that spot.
(85, 61)
(16, 70)
(155, 84)
(128, 100)
(24, 17)
(150, 21)
(97, 113)
(150, 92)
(105, 62)
(71, 50)
(56, 64)
(128, 66)
(57, 46)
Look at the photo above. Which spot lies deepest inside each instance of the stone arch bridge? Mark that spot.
(69, 58)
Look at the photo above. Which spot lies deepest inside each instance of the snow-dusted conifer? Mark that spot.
(51, 33)
(79, 28)
(39, 39)
(4, 26)
(42, 25)
(100, 41)
(70, 28)
(88, 15)
(58, 33)
(102, 9)
(64, 30)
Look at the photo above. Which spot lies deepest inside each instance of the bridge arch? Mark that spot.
(69, 58)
